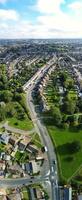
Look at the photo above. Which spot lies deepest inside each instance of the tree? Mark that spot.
(6, 96)
(57, 115)
(63, 77)
(2, 113)
(10, 111)
(69, 107)
(80, 104)
(17, 97)
(74, 146)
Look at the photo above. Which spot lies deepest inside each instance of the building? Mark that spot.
(23, 143)
(67, 193)
(39, 194)
(14, 196)
(1, 174)
(12, 140)
(32, 149)
(4, 138)
(3, 194)
(39, 158)
(80, 197)
(3, 197)
(32, 192)
(27, 167)
(2, 165)
(34, 166)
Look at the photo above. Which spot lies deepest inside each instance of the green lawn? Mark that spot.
(2, 147)
(68, 163)
(25, 124)
(21, 157)
(25, 194)
(18, 155)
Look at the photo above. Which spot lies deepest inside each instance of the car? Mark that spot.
(56, 183)
(54, 162)
(30, 181)
(32, 177)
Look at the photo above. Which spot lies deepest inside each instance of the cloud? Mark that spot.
(61, 22)
(26, 29)
(57, 22)
(51, 22)
(48, 6)
(8, 15)
(76, 6)
(2, 1)
(19, 29)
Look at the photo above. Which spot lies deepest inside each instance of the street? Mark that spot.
(41, 129)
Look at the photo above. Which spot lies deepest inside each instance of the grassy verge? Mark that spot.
(69, 163)
(36, 140)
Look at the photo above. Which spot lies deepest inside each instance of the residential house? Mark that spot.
(34, 166)
(80, 197)
(1, 174)
(4, 138)
(32, 148)
(22, 144)
(15, 196)
(2, 168)
(12, 140)
(39, 158)
(2, 165)
(32, 192)
(67, 193)
(39, 194)
(27, 167)
(3, 194)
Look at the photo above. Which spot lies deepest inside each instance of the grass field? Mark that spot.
(25, 124)
(69, 163)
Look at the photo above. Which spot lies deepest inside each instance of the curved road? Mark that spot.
(41, 129)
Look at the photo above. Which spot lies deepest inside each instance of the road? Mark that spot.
(11, 183)
(41, 129)
(16, 130)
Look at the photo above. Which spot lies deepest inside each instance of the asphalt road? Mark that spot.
(11, 183)
(16, 130)
(41, 129)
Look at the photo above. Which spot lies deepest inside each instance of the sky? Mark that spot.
(40, 19)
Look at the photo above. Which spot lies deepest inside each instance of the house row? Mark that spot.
(36, 194)
(43, 83)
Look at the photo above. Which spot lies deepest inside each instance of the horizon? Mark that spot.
(40, 38)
